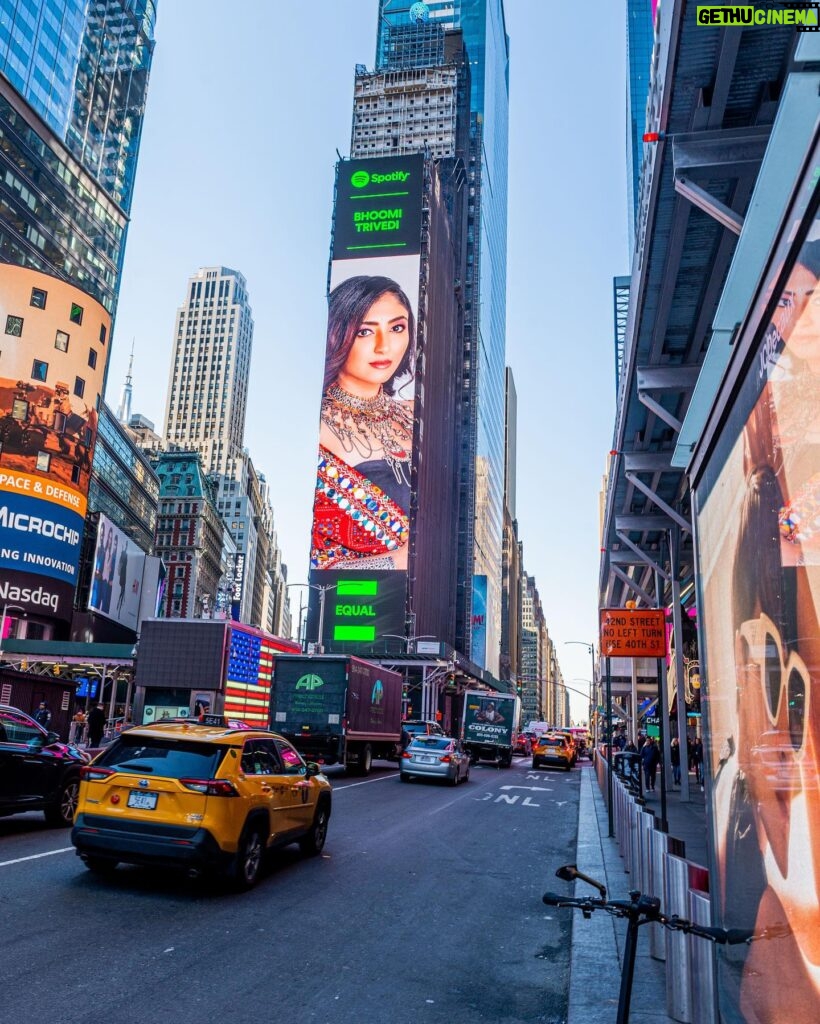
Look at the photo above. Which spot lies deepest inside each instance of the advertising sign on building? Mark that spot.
(52, 361)
(757, 504)
(478, 644)
(116, 584)
(361, 511)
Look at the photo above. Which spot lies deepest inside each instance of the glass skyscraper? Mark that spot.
(640, 35)
(83, 66)
(482, 482)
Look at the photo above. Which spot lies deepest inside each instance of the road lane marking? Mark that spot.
(35, 856)
(350, 785)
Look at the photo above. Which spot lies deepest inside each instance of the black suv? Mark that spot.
(37, 771)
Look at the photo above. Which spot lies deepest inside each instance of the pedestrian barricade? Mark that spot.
(657, 866)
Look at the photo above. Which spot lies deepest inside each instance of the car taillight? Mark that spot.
(90, 773)
(446, 759)
(210, 787)
(406, 756)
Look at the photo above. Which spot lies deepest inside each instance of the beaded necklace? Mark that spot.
(373, 428)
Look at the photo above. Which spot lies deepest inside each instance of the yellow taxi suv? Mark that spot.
(553, 748)
(208, 796)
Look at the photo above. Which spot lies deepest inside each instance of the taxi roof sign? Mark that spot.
(633, 633)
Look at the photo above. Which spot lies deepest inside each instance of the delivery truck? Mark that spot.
(337, 709)
(488, 724)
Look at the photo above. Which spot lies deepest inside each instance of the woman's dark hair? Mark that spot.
(757, 573)
(347, 308)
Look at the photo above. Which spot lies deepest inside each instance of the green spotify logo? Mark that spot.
(359, 179)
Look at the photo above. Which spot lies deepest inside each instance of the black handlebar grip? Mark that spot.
(736, 936)
(552, 899)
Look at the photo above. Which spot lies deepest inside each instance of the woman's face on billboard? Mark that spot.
(803, 291)
(378, 348)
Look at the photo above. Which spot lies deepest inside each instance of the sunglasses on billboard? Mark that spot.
(781, 677)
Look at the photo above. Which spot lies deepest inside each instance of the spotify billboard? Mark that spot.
(367, 434)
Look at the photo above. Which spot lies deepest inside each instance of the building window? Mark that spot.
(92, 359)
(61, 341)
(43, 461)
(75, 474)
(76, 314)
(79, 387)
(39, 370)
(102, 334)
(38, 298)
(14, 326)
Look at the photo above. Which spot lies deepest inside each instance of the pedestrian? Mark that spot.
(641, 741)
(96, 725)
(697, 760)
(674, 757)
(42, 715)
(77, 727)
(650, 758)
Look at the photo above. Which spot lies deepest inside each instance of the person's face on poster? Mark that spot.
(378, 348)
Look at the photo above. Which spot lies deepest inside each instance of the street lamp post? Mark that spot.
(425, 689)
(591, 649)
(323, 589)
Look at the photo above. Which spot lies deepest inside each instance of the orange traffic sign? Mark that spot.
(633, 633)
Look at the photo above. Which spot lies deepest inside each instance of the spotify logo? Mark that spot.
(359, 179)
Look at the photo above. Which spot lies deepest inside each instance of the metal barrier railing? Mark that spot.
(657, 866)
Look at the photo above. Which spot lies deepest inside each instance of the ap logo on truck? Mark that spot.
(309, 682)
(377, 696)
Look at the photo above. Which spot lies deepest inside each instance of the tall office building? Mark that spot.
(73, 80)
(640, 37)
(83, 65)
(407, 33)
(208, 382)
(413, 36)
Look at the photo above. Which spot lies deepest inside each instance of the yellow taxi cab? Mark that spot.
(553, 748)
(204, 795)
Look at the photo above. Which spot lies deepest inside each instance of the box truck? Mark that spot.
(337, 709)
(488, 724)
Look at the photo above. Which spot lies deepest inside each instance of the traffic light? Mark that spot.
(404, 692)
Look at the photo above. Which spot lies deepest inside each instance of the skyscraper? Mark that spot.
(639, 41)
(208, 382)
(481, 23)
(83, 65)
(73, 80)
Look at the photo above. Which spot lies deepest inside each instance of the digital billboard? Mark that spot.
(361, 510)
(478, 643)
(249, 674)
(52, 361)
(758, 529)
(116, 584)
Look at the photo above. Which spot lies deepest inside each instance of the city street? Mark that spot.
(425, 906)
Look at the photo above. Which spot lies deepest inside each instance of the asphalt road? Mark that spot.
(425, 907)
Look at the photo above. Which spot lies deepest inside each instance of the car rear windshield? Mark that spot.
(433, 742)
(553, 742)
(177, 759)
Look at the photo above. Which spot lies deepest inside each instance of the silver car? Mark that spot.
(435, 757)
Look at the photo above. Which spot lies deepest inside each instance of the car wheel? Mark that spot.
(534, 764)
(62, 811)
(454, 780)
(248, 861)
(313, 843)
(101, 866)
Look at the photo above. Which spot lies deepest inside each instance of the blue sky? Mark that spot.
(245, 115)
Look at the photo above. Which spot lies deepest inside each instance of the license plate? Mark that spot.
(143, 801)
(427, 760)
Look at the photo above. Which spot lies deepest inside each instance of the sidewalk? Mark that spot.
(597, 944)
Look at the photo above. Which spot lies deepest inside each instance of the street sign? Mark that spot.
(633, 633)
